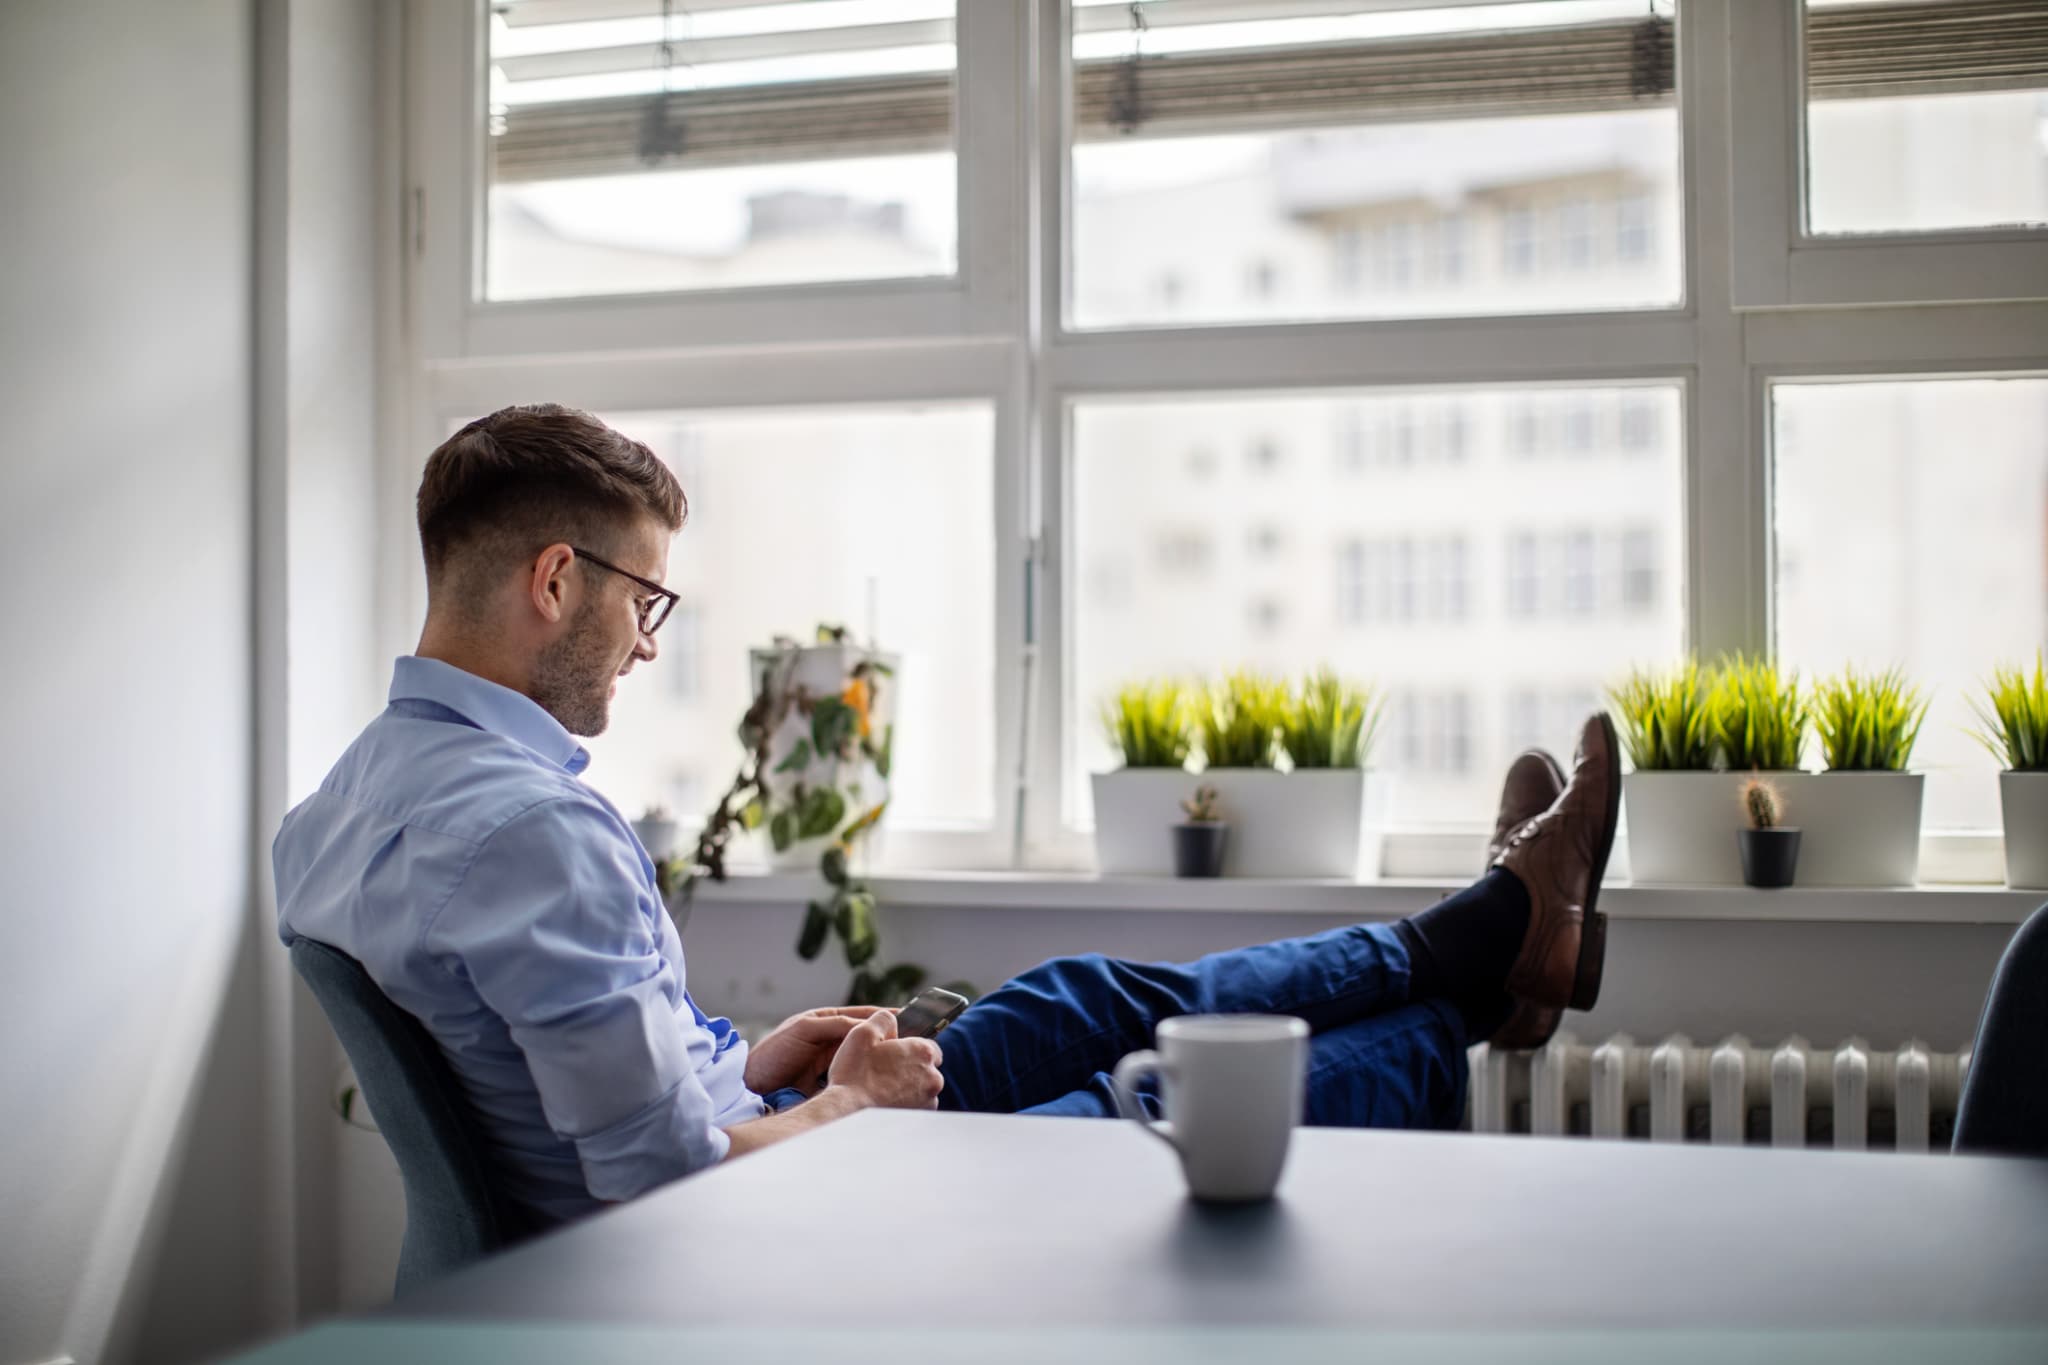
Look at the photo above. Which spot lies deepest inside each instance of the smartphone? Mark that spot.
(927, 1014)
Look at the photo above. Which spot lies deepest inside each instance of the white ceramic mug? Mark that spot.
(1232, 1088)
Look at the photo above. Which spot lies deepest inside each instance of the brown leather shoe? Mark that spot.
(1561, 856)
(1528, 1026)
(1534, 783)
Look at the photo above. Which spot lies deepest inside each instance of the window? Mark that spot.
(1398, 586)
(1918, 513)
(1405, 282)
(720, 149)
(1239, 132)
(1925, 116)
(866, 509)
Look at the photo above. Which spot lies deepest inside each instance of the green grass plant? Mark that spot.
(1328, 722)
(1868, 722)
(1666, 725)
(1239, 720)
(2014, 715)
(1151, 724)
(1758, 717)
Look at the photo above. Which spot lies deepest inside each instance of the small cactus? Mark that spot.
(1201, 808)
(1760, 803)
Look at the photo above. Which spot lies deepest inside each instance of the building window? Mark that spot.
(1202, 461)
(1170, 289)
(1347, 258)
(1262, 279)
(1264, 455)
(1578, 427)
(1575, 234)
(1450, 249)
(1525, 428)
(1525, 578)
(1518, 238)
(1351, 583)
(1185, 553)
(1632, 241)
(1266, 614)
(1266, 541)
(1581, 584)
(1351, 455)
(1639, 570)
(1638, 423)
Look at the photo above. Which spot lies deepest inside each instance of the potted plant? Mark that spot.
(1199, 840)
(825, 719)
(1770, 850)
(2014, 715)
(1677, 806)
(1862, 815)
(1151, 727)
(1328, 726)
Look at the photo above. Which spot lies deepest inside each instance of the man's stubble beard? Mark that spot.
(572, 680)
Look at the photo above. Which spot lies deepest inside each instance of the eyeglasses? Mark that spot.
(653, 610)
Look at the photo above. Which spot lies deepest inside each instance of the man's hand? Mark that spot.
(887, 1071)
(802, 1047)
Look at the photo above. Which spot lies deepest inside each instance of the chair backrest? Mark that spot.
(453, 1214)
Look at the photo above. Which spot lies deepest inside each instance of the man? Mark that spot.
(455, 853)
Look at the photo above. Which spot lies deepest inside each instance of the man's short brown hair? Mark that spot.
(525, 477)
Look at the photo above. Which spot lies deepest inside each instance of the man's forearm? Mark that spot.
(834, 1102)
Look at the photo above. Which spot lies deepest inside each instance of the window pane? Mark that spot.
(878, 519)
(1390, 162)
(722, 148)
(1926, 115)
(1494, 595)
(1912, 530)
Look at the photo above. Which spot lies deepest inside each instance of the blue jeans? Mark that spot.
(2005, 1100)
(1045, 1042)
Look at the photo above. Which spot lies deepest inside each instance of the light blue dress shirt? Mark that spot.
(456, 854)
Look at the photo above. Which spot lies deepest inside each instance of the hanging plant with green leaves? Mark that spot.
(814, 790)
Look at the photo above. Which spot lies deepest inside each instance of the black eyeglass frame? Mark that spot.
(655, 610)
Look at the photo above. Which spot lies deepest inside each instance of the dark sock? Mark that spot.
(1461, 948)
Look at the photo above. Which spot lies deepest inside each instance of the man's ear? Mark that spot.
(548, 583)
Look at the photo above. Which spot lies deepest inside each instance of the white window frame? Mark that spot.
(445, 203)
(997, 333)
(1778, 263)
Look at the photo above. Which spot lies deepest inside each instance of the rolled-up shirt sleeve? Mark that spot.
(552, 923)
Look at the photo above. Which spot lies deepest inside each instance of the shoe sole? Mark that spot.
(1593, 933)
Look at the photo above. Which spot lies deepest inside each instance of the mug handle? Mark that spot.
(1125, 1080)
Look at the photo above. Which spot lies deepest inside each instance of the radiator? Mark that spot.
(1788, 1094)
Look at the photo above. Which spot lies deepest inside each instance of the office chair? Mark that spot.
(2004, 1107)
(453, 1214)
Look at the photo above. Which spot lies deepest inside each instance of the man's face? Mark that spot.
(578, 672)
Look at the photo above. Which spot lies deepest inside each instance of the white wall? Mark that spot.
(125, 510)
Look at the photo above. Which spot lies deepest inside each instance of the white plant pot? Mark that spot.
(1301, 824)
(2024, 798)
(1681, 827)
(1860, 829)
(817, 671)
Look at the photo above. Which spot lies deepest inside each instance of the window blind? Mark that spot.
(1857, 51)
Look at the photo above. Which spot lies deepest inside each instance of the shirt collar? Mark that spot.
(488, 706)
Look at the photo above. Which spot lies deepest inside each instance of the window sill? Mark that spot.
(974, 891)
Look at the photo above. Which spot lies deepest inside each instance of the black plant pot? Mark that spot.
(1770, 857)
(1198, 849)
